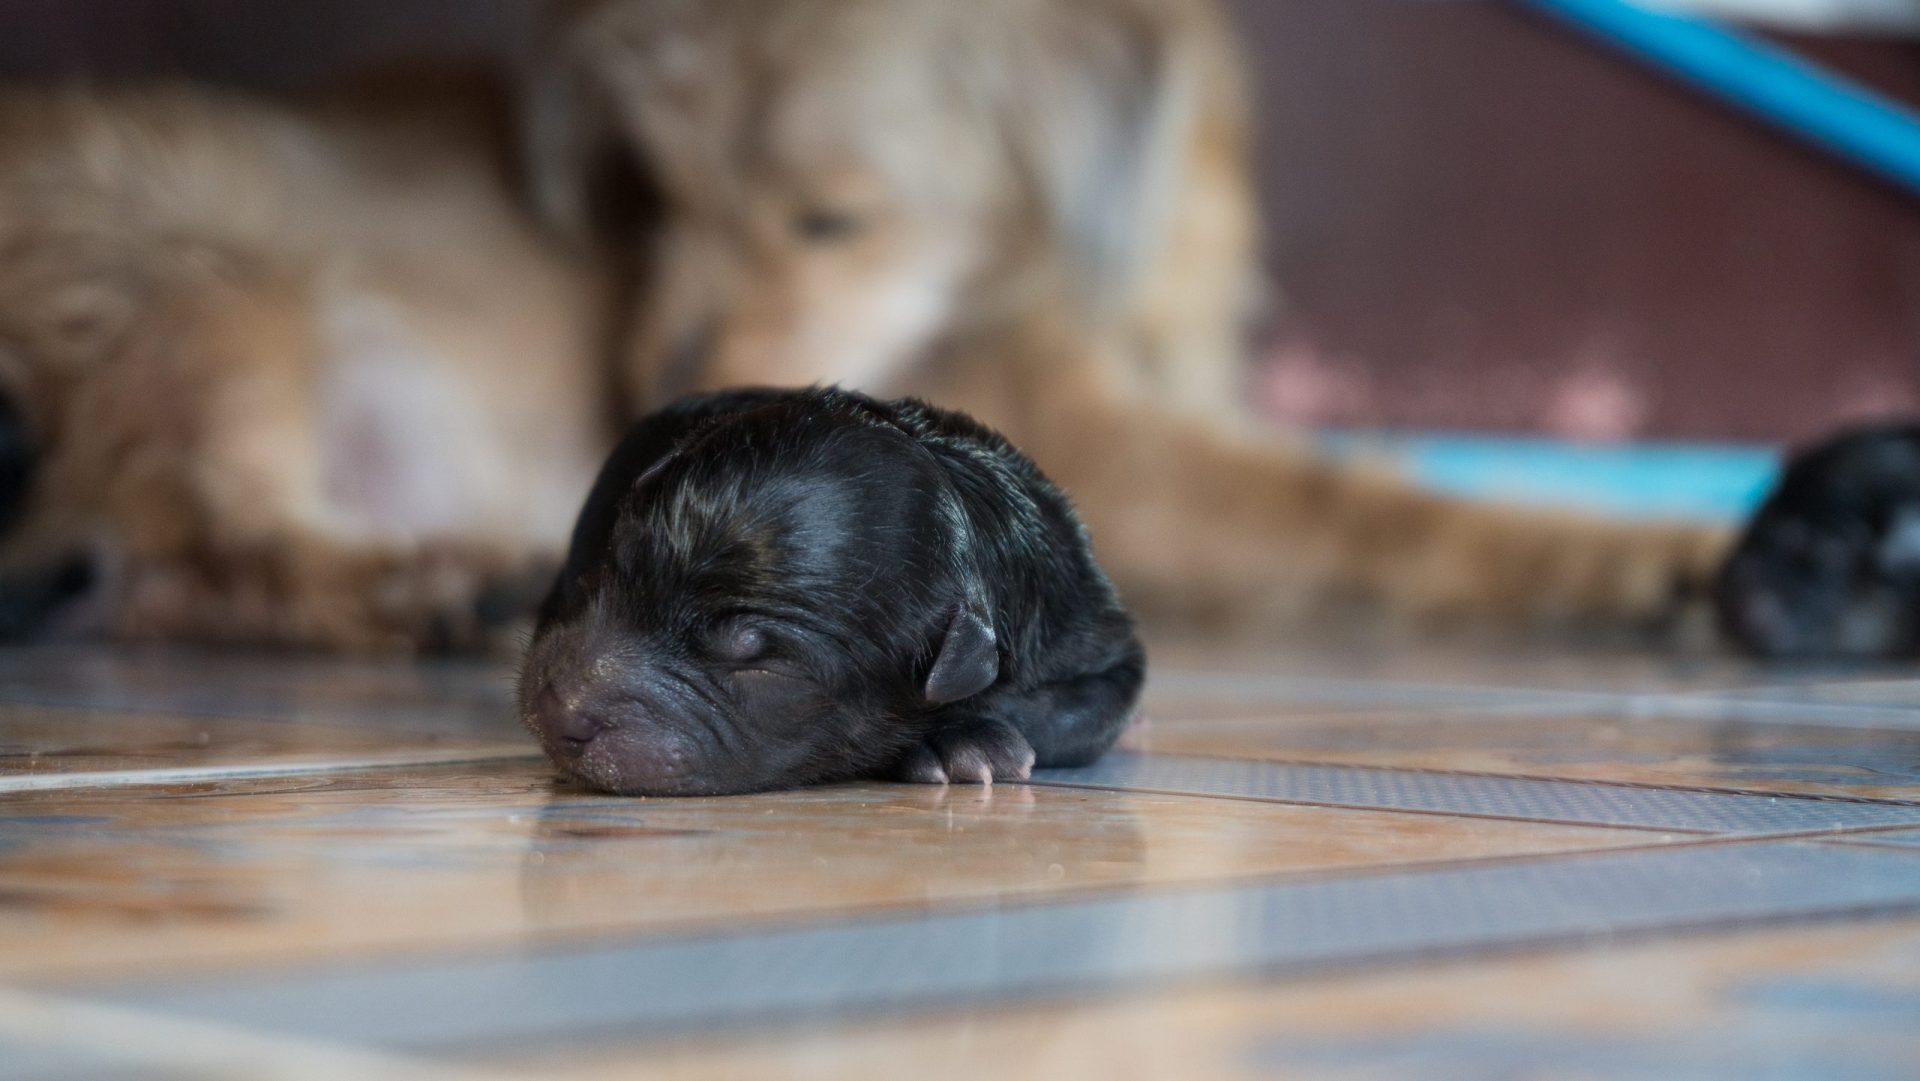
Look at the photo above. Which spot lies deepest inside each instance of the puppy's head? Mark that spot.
(778, 601)
(1830, 564)
(835, 185)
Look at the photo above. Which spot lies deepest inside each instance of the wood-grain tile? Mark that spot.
(112, 883)
(1817, 1002)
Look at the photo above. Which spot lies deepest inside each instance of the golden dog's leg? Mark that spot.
(304, 592)
(204, 445)
(1233, 530)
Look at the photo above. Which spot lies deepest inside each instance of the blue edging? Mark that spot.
(1819, 106)
(1697, 481)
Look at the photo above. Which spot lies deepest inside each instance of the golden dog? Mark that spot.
(316, 376)
(1039, 211)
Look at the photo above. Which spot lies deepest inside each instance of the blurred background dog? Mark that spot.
(1039, 211)
(335, 373)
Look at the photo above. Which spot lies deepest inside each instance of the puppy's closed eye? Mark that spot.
(747, 647)
(740, 641)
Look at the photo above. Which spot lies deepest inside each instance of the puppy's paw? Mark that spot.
(976, 752)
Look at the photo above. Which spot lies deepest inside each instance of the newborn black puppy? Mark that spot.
(776, 588)
(1830, 564)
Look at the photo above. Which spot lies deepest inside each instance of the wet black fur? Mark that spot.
(29, 596)
(777, 588)
(1830, 564)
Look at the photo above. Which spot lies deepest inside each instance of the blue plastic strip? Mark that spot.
(1715, 482)
(1830, 111)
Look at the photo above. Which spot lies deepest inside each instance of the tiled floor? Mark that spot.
(1405, 865)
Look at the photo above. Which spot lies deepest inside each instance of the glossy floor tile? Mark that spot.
(1345, 866)
(57, 747)
(1819, 1002)
(103, 885)
(851, 964)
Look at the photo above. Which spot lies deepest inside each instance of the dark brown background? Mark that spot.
(1476, 220)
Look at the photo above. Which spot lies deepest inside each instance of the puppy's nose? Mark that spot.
(571, 727)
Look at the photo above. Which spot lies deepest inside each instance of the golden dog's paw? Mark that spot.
(459, 597)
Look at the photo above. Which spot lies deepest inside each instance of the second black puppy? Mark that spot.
(777, 588)
(1830, 564)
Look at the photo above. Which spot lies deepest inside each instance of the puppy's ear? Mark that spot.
(968, 661)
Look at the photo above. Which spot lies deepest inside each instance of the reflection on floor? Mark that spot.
(239, 867)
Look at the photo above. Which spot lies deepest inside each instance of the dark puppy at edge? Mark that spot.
(1830, 564)
(777, 588)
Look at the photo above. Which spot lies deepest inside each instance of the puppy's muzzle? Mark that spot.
(609, 736)
(569, 728)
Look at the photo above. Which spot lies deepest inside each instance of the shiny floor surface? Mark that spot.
(1349, 868)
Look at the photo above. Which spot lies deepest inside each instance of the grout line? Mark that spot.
(1703, 837)
(1759, 705)
(1870, 839)
(146, 1040)
(1094, 786)
(1843, 832)
(1644, 707)
(42, 782)
(1590, 782)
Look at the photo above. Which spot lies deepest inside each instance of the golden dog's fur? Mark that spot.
(316, 376)
(297, 377)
